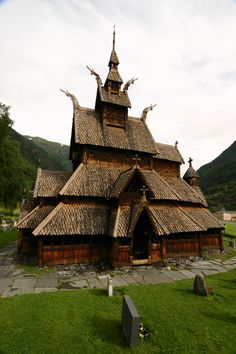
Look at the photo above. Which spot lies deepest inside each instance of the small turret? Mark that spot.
(191, 176)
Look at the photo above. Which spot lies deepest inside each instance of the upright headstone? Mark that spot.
(199, 285)
(109, 286)
(130, 321)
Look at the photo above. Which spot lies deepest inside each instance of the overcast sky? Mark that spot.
(182, 51)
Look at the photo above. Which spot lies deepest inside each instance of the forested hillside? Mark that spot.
(20, 158)
(218, 180)
(40, 152)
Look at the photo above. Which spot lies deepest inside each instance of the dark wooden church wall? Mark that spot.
(166, 168)
(26, 241)
(182, 247)
(124, 159)
(72, 251)
(212, 240)
(120, 252)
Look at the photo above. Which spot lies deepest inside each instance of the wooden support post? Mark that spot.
(163, 249)
(40, 252)
(200, 244)
(221, 242)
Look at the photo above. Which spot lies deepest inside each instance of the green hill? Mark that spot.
(218, 180)
(40, 152)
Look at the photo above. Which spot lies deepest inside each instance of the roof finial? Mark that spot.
(98, 79)
(72, 97)
(145, 112)
(114, 37)
(128, 83)
(190, 162)
(176, 144)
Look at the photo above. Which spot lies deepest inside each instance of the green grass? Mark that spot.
(6, 238)
(87, 321)
(230, 229)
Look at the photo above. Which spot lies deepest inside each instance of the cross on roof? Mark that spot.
(190, 162)
(144, 190)
(136, 159)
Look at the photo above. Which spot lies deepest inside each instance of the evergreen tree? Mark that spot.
(16, 174)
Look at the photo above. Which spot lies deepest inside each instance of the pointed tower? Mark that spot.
(114, 81)
(191, 176)
(112, 102)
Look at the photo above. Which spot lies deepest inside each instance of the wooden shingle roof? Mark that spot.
(158, 187)
(91, 181)
(49, 183)
(171, 219)
(75, 219)
(89, 130)
(122, 182)
(123, 220)
(168, 152)
(120, 98)
(26, 206)
(35, 217)
(203, 217)
(183, 190)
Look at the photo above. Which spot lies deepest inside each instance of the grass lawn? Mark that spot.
(6, 238)
(87, 321)
(230, 229)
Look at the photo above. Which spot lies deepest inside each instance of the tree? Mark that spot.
(16, 173)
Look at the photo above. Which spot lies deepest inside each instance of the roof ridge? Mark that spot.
(168, 185)
(194, 191)
(36, 187)
(71, 179)
(190, 217)
(40, 227)
(29, 214)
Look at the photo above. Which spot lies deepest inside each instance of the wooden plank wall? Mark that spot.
(182, 247)
(68, 254)
(120, 255)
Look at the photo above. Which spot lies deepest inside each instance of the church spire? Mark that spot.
(114, 38)
(114, 80)
(191, 176)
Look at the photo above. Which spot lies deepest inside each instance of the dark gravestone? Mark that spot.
(199, 285)
(130, 321)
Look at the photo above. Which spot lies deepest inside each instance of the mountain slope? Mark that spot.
(52, 156)
(218, 180)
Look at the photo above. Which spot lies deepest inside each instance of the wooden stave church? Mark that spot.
(125, 202)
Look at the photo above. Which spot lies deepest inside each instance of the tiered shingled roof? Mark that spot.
(75, 219)
(168, 152)
(90, 130)
(91, 181)
(49, 183)
(35, 217)
(120, 98)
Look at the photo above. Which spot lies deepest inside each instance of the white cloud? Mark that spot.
(183, 52)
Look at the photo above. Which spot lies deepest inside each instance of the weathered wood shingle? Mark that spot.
(89, 130)
(49, 183)
(168, 152)
(91, 181)
(35, 217)
(75, 219)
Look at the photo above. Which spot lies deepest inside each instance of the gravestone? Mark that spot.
(109, 286)
(130, 321)
(199, 285)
